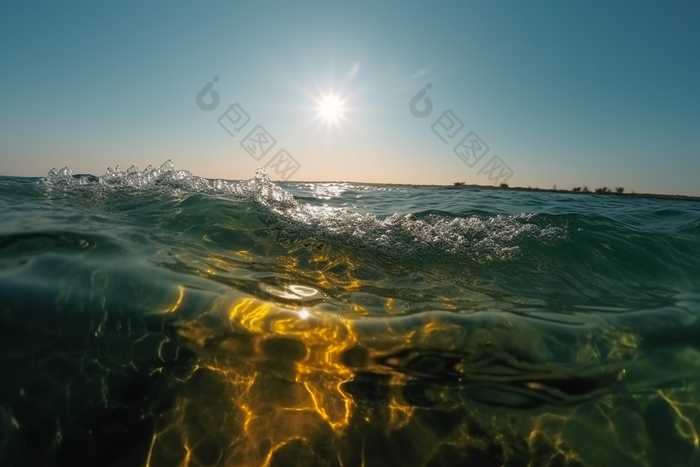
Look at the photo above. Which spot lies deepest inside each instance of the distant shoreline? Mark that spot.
(470, 187)
(518, 188)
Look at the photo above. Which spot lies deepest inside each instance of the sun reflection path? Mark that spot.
(280, 384)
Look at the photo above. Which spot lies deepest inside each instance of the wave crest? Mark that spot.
(397, 238)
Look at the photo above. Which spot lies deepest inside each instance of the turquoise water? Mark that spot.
(155, 318)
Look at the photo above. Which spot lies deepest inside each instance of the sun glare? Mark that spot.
(330, 108)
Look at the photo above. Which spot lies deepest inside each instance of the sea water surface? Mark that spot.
(156, 318)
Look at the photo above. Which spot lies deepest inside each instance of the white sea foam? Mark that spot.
(399, 237)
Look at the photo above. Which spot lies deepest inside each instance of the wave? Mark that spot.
(399, 238)
(565, 259)
(217, 322)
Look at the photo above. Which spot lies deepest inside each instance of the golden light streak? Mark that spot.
(174, 307)
(684, 425)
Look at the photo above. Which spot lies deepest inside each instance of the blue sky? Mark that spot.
(567, 93)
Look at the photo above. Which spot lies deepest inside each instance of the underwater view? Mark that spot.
(156, 318)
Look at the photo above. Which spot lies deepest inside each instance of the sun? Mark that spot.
(330, 108)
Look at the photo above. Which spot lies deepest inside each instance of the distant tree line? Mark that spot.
(577, 189)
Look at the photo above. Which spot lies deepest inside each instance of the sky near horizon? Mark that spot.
(567, 93)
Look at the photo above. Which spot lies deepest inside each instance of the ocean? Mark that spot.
(157, 318)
